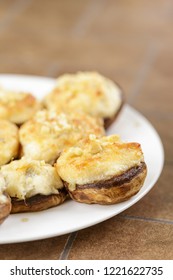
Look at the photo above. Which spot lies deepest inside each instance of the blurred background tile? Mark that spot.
(156, 92)
(120, 238)
(47, 249)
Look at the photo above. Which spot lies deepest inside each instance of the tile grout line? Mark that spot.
(144, 71)
(68, 245)
(86, 18)
(13, 12)
(162, 221)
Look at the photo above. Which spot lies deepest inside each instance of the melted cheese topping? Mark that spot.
(87, 92)
(25, 178)
(97, 159)
(48, 133)
(9, 141)
(17, 107)
(3, 198)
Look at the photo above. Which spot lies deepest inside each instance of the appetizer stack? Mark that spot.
(57, 148)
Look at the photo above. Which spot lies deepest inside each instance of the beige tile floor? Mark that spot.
(132, 43)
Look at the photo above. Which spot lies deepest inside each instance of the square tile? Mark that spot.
(49, 19)
(47, 249)
(156, 94)
(119, 239)
(5, 7)
(134, 20)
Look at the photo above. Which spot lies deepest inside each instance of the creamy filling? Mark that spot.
(26, 178)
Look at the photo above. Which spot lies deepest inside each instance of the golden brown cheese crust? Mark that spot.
(9, 141)
(17, 107)
(48, 133)
(94, 159)
(89, 92)
(103, 171)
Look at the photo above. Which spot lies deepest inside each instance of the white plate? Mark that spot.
(72, 216)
